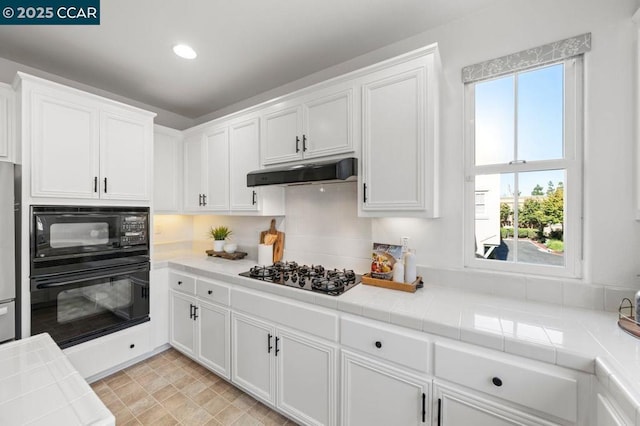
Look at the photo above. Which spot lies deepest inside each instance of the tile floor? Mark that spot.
(170, 389)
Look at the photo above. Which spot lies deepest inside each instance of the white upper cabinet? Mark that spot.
(65, 146)
(6, 123)
(193, 171)
(167, 169)
(216, 162)
(126, 146)
(84, 146)
(282, 135)
(217, 165)
(399, 140)
(244, 157)
(316, 125)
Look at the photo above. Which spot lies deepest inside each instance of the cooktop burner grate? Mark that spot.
(313, 278)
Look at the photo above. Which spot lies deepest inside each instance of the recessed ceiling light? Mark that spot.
(184, 51)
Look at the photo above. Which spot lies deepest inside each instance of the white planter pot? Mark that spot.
(218, 245)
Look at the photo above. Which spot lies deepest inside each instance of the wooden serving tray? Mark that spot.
(630, 326)
(409, 287)
(223, 254)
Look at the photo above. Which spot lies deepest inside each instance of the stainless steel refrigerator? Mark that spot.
(7, 253)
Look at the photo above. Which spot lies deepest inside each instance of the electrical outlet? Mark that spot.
(405, 243)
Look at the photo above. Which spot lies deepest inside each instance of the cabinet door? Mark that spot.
(455, 407)
(214, 332)
(253, 360)
(282, 136)
(244, 156)
(393, 142)
(306, 367)
(125, 156)
(328, 125)
(193, 181)
(182, 325)
(65, 147)
(217, 169)
(167, 166)
(376, 394)
(6, 123)
(606, 414)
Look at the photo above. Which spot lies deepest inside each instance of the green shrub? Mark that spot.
(556, 235)
(555, 245)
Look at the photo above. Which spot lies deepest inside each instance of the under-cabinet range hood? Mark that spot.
(343, 169)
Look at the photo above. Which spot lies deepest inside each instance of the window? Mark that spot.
(523, 166)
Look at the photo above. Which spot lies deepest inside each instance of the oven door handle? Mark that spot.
(53, 281)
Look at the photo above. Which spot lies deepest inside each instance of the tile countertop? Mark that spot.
(580, 339)
(39, 386)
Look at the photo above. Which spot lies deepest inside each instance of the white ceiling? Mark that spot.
(245, 47)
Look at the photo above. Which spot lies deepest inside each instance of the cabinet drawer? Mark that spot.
(545, 389)
(182, 282)
(385, 342)
(102, 354)
(213, 291)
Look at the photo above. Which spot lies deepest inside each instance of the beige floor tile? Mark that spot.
(98, 386)
(213, 422)
(174, 401)
(259, 410)
(221, 387)
(274, 418)
(152, 382)
(133, 393)
(164, 393)
(232, 393)
(118, 380)
(132, 422)
(215, 405)
(122, 416)
(244, 402)
(204, 396)
(194, 388)
(183, 382)
(247, 420)
(138, 370)
(229, 415)
(185, 412)
(142, 405)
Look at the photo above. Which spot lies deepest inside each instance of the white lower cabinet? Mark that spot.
(91, 359)
(607, 414)
(453, 407)
(294, 372)
(374, 393)
(201, 330)
(183, 333)
(492, 388)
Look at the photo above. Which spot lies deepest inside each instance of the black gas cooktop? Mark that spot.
(313, 278)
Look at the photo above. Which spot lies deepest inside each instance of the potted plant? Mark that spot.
(219, 234)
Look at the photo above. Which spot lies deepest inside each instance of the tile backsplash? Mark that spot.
(322, 227)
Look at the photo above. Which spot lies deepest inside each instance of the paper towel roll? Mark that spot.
(265, 254)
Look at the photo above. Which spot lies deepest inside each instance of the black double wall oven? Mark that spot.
(89, 271)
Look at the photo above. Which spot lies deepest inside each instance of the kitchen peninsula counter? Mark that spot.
(580, 339)
(39, 386)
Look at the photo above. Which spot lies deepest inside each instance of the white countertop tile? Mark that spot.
(39, 386)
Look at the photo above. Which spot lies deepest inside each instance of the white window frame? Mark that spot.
(572, 163)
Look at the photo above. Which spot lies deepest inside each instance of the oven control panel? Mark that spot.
(133, 230)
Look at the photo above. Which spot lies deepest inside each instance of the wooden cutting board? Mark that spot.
(278, 245)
